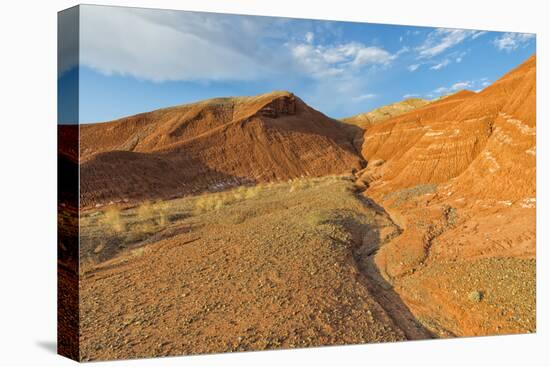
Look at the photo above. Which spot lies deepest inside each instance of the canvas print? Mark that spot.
(235, 183)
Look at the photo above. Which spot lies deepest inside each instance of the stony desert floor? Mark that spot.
(293, 264)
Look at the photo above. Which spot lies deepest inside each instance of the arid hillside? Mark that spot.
(468, 135)
(383, 113)
(210, 146)
(459, 177)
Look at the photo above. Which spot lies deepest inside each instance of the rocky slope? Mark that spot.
(211, 146)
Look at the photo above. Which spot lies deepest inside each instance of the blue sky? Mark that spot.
(135, 60)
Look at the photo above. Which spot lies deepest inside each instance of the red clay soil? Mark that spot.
(211, 146)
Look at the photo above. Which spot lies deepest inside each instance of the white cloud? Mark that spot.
(459, 56)
(411, 95)
(414, 33)
(441, 90)
(364, 97)
(440, 65)
(164, 45)
(511, 41)
(440, 40)
(402, 50)
(453, 88)
(461, 85)
(320, 61)
(372, 55)
(413, 67)
(476, 85)
(477, 34)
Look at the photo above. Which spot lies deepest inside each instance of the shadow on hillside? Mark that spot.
(123, 175)
(350, 136)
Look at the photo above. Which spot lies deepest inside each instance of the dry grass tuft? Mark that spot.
(140, 251)
(216, 201)
(113, 219)
(145, 211)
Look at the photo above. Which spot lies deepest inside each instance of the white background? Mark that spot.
(28, 181)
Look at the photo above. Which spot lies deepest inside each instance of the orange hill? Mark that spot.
(211, 145)
(485, 142)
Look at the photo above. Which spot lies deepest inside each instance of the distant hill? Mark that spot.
(383, 113)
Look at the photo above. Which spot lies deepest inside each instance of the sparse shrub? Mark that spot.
(112, 218)
(158, 213)
(298, 184)
(163, 210)
(200, 203)
(252, 192)
(145, 211)
(209, 202)
(163, 218)
(216, 201)
(239, 193)
(475, 296)
(140, 251)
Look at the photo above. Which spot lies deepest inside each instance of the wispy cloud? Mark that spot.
(163, 45)
(511, 41)
(439, 43)
(321, 61)
(476, 85)
(364, 97)
(411, 95)
(453, 88)
(478, 34)
(440, 65)
(440, 40)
